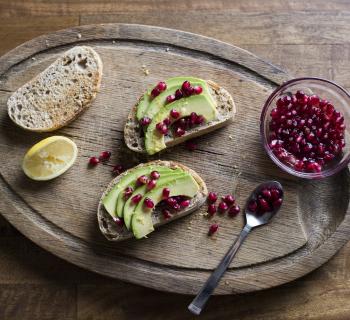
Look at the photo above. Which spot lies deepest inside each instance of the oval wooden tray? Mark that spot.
(60, 215)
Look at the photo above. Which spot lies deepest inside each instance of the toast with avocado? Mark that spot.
(58, 94)
(148, 196)
(176, 110)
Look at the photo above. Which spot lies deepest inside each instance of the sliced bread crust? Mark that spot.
(226, 113)
(58, 94)
(115, 233)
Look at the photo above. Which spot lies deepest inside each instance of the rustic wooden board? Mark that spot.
(60, 215)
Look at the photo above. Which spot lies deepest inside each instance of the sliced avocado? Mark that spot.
(154, 141)
(148, 106)
(129, 207)
(141, 222)
(110, 200)
(133, 184)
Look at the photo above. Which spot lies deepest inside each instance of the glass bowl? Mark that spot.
(325, 89)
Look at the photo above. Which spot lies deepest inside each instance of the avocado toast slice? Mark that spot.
(114, 232)
(212, 103)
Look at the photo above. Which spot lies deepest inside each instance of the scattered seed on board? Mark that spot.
(79, 36)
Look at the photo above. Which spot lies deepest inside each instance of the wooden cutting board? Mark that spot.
(60, 215)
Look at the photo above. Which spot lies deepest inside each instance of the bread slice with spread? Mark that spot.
(176, 110)
(148, 196)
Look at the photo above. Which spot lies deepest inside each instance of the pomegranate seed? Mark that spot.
(162, 128)
(119, 222)
(166, 193)
(299, 165)
(151, 184)
(185, 203)
(142, 180)
(213, 228)
(128, 192)
(161, 86)
(176, 207)
(222, 206)
(185, 86)
(94, 161)
(190, 145)
(211, 209)
(300, 94)
(197, 90)
(275, 194)
(193, 118)
(252, 206)
(148, 203)
(167, 121)
(105, 155)
(314, 100)
(145, 121)
(274, 113)
(179, 132)
(155, 92)
(136, 198)
(188, 92)
(199, 120)
(277, 203)
(171, 98)
(155, 175)
(266, 193)
(174, 114)
(118, 169)
(166, 214)
(234, 210)
(229, 199)
(212, 197)
(178, 94)
(171, 202)
(263, 205)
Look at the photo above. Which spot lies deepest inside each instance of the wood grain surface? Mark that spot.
(37, 285)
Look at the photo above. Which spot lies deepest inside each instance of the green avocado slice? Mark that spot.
(148, 106)
(129, 207)
(154, 141)
(110, 200)
(133, 184)
(141, 223)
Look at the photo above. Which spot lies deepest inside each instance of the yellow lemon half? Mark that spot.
(49, 158)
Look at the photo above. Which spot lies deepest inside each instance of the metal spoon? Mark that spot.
(252, 221)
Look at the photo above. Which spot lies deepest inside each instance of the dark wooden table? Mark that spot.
(304, 37)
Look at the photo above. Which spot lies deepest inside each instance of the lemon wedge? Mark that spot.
(49, 158)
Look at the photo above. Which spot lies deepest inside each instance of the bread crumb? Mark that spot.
(113, 41)
(145, 70)
(230, 137)
(189, 228)
(33, 58)
(235, 167)
(79, 36)
(167, 49)
(47, 43)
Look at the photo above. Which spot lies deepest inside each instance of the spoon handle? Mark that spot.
(203, 295)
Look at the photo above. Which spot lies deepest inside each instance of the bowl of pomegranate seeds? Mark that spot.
(304, 127)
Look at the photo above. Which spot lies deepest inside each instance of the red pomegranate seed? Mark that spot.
(188, 92)
(252, 206)
(199, 120)
(185, 203)
(263, 205)
(234, 210)
(166, 193)
(148, 203)
(142, 180)
(166, 214)
(179, 132)
(171, 98)
(277, 203)
(275, 194)
(300, 94)
(105, 155)
(197, 89)
(167, 121)
(162, 128)
(299, 165)
(118, 169)
(211, 209)
(185, 86)
(174, 113)
(178, 94)
(193, 118)
(128, 192)
(93, 161)
(171, 202)
(266, 193)
(145, 121)
(190, 145)
(155, 175)
(222, 207)
(314, 100)
(136, 198)
(212, 197)
(161, 86)
(176, 207)
(155, 92)
(151, 184)
(119, 222)
(213, 228)
(229, 199)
